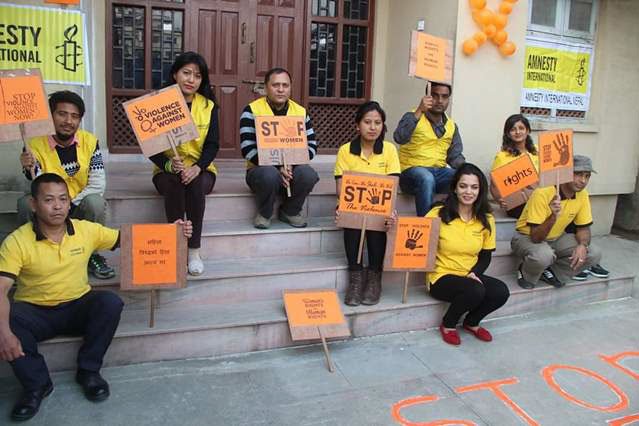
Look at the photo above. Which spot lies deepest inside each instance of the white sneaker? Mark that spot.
(196, 266)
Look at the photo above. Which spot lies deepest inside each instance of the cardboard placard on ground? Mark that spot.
(23, 102)
(281, 140)
(366, 195)
(555, 157)
(159, 118)
(152, 257)
(512, 181)
(308, 310)
(411, 245)
(430, 58)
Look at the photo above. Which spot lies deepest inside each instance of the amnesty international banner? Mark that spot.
(53, 40)
(557, 75)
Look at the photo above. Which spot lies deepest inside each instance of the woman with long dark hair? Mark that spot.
(466, 241)
(184, 181)
(516, 141)
(367, 153)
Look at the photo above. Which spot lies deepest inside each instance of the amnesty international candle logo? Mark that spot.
(71, 55)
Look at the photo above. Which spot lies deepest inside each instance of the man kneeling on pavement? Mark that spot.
(47, 258)
(547, 251)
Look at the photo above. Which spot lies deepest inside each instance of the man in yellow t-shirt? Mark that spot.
(546, 250)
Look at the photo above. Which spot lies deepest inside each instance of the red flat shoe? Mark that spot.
(481, 333)
(450, 337)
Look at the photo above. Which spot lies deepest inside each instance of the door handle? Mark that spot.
(252, 52)
(258, 86)
(243, 33)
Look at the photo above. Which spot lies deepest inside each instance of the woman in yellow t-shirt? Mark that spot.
(466, 241)
(516, 141)
(185, 181)
(367, 153)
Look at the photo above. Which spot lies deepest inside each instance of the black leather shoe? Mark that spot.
(95, 388)
(29, 403)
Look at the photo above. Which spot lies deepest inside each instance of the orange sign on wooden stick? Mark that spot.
(412, 244)
(309, 309)
(555, 157)
(280, 140)
(366, 195)
(23, 104)
(513, 180)
(431, 58)
(160, 119)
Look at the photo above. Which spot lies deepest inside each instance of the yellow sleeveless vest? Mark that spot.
(260, 107)
(425, 149)
(191, 151)
(50, 162)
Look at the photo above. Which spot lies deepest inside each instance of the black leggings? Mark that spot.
(375, 244)
(467, 295)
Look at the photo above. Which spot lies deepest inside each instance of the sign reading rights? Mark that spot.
(431, 58)
(281, 140)
(512, 180)
(412, 244)
(366, 195)
(309, 309)
(555, 157)
(160, 119)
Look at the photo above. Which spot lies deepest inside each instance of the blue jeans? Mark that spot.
(423, 183)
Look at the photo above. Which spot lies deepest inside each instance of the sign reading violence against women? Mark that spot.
(431, 58)
(514, 181)
(159, 119)
(152, 256)
(23, 103)
(365, 195)
(555, 157)
(412, 244)
(307, 310)
(281, 140)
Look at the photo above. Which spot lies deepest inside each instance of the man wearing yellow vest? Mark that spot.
(74, 155)
(268, 182)
(428, 140)
(546, 251)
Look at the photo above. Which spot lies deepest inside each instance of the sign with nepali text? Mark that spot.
(366, 195)
(307, 310)
(431, 58)
(514, 180)
(555, 157)
(281, 140)
(557, 75)
(159, 119)
(152, 256)
(51, 39)
(412, 244)
(23, 103)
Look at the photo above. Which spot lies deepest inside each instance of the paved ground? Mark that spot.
(293, 387)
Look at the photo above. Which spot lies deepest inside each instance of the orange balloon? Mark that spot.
(476, 16)
(500, 20)
(485, 16)
(477, 4)
(490, 30)
(511, 1)
(500, 37)
(507, 48)
(480, 37)
(505, 8)
(470, 46)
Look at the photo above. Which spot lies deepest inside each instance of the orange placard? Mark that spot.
(367, 194)
(313, 308)
(157, 114)
(411, 243)
(281, 132)
(22, 99)
(63, 1)
(154, 254)
(514, 176)
(430, 58)
(555, 150)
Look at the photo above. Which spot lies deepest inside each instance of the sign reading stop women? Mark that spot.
(365, 195)
(281, 140)
(555, 157)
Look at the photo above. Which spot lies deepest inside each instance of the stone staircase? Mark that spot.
(236, 305)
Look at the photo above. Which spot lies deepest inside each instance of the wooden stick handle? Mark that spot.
(285, 164)
(326, 353)
(172, 143)
(152, 309)
(405, 293)
(428, 87)
(361, 241)
(26, 148)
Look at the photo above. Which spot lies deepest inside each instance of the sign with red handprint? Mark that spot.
(555, 157)
(366, 195)
(412, 244)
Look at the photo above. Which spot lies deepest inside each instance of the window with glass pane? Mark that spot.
(324, 7)
(323, 58)
(353, 62)
(580, 15)
(128, 47)
(166, 43)
(356, 9)
(544, 12)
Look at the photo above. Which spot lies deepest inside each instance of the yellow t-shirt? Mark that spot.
(503, 157)
(537, 210)
(48, 273)
(383, 160)
(459, 245)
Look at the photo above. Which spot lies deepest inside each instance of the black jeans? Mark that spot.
(467, 295)
(375, 244)
(95, 316)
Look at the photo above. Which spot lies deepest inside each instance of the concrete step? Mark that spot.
(243, 327)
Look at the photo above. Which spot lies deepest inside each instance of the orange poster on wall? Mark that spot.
(430, 58)
(514, 176)
(22, 99)
(555, 150)
(313, 308)
(154, 253)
